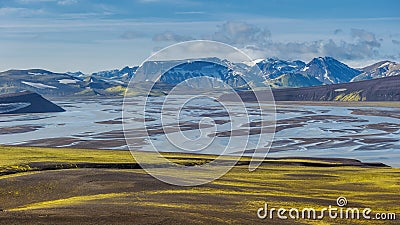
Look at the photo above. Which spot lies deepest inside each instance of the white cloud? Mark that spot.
(129, 35)
(67, 2)
(169, 36)
(20, 11)
(241, 33)
(258, 43)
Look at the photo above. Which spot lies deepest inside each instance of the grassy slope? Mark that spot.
(234, 198)
(11, 155)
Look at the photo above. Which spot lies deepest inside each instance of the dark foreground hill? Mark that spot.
(382, 89)
(26, 102)
(99, 195)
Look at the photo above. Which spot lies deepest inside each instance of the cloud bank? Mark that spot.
(356, 44)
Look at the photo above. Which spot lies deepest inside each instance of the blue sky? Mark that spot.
(87, 35)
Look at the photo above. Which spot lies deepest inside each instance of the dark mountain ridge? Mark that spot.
(26, 102)
(380, 89)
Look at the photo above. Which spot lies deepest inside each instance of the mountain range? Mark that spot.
(322, 71)
(49, 83)
(275, 72)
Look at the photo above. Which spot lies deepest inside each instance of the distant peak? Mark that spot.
(324, 59)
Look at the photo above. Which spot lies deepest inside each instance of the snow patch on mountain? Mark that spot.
(67, 81)
(38, 85)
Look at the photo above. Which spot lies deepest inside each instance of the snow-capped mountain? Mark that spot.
(174, 72)
(378, 70)
(76, 74)
(329, 71)
(199, 69)
(319, 71)
(275, 72)
(273, 68)
(124, 74)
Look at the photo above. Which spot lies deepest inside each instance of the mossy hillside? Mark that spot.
(350, 97)
(243, 192)
(14, 156)
(239, 192)
(117, 90)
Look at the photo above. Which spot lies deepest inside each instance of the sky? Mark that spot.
(89, 35)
